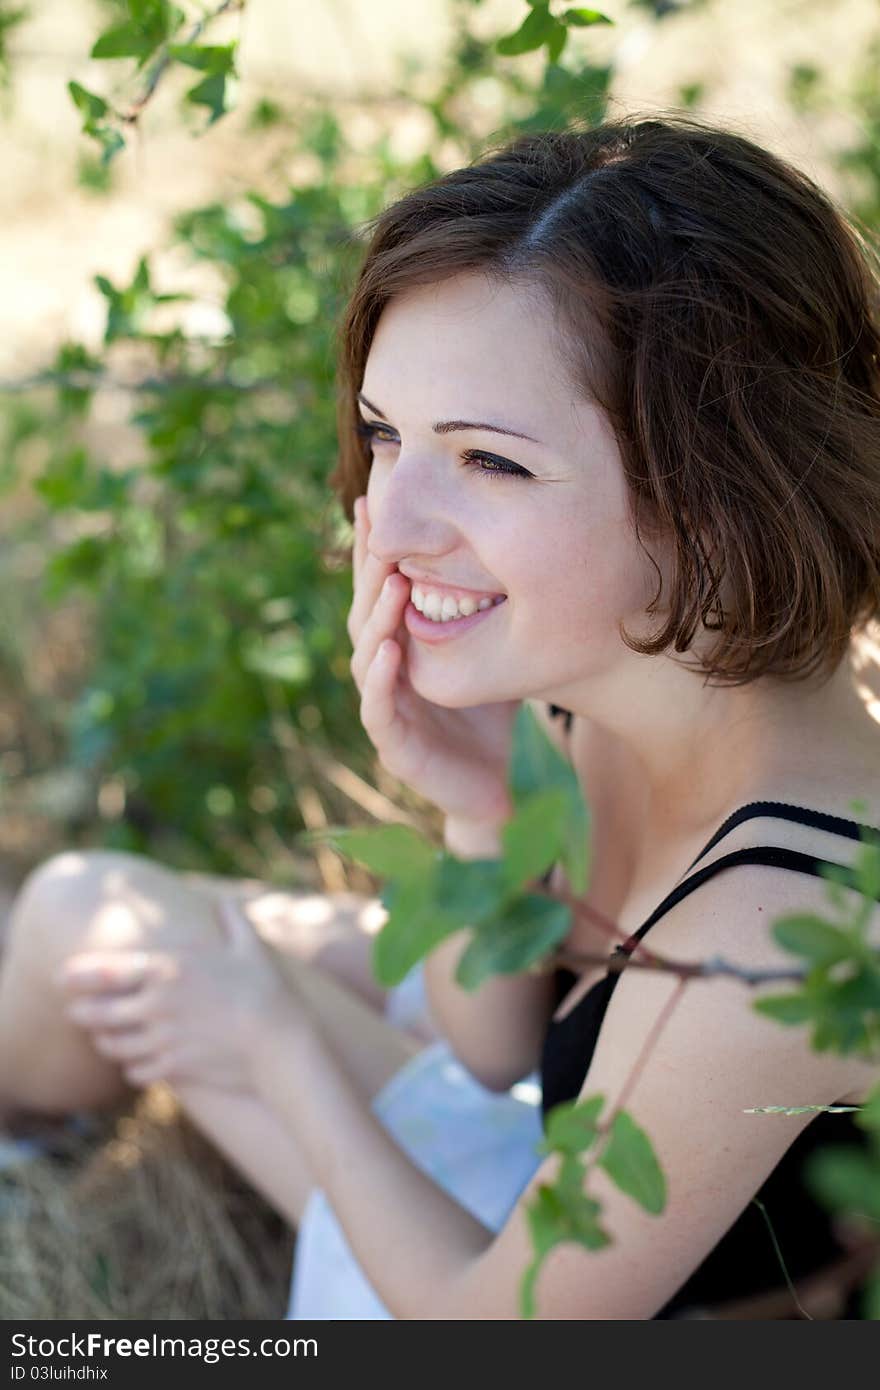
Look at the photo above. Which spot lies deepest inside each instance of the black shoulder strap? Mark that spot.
(771, 855)
(784, 810)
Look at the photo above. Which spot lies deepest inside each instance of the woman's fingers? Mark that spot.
(378, 710)
(369, 577)
(137, 1046)
(382, 623)
(95, 971)
(104, 1012)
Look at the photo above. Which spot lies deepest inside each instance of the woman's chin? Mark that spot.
(448, 691)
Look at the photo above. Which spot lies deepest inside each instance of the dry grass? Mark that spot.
(138, 1218)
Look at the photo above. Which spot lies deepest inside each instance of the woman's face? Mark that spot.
(554, 536)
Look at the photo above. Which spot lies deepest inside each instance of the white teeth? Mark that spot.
(443, 608)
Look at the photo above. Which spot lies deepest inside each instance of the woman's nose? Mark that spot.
(406, 520)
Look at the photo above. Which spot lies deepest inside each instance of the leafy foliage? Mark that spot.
(433, 894)
(841, 990)
(562, 1212)
(146, 32)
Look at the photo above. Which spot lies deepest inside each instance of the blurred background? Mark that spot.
(179, 227)
(173, 658)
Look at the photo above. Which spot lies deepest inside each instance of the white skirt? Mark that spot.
(477, 1145)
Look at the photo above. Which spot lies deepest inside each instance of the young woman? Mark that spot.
(609, 431)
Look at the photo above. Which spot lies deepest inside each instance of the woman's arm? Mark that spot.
(495, 1031)
(690, 1073)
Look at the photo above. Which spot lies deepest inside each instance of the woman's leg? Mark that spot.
(101, 900)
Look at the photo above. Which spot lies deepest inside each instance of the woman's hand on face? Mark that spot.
(198, 1014)
(455, 758)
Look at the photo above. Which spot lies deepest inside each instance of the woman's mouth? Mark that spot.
(432, 632)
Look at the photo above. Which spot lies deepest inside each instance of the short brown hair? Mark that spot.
(737, 360)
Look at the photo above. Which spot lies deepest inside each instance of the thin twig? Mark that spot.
(714, 965)
(162, 63)
(647, 1047)
(639, 957)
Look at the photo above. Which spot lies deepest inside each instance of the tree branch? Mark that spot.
(162, 63)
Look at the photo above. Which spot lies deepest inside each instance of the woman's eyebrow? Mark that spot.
(450, 426)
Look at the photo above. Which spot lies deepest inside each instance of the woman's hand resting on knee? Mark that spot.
(197, 1014)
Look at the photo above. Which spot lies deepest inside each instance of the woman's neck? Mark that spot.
(719, 748)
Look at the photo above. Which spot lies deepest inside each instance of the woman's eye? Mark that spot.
(374, 433)
(488, 464)
(494, 467)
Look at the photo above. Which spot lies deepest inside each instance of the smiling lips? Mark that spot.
(428, 585)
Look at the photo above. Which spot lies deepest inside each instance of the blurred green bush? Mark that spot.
(211, 579)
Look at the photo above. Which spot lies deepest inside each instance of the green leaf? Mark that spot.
(537, 27)
(65, 479)
(572, 1126)
(522, 934)
(859, 994)
(838, 878)
(547, 1219)
(556, 41)
(414, 928)
(536, 766)
(141, 281)
(868, 874)
(631, 1163)
(869, 1113)
(149, 25)
(218, 92)
(556, 1215)
(389, 851)
(218, 89)
(532, 839)
(111, 142)
(786, 1008)
(807, 935)
(90, 104)
(569, 1215)
(211, 58)
(845, 1180)
(581, 18)
(468, 890)
(535, 761)
(125, 41)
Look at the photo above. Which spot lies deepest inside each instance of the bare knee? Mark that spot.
(101, 900)
(96, 900)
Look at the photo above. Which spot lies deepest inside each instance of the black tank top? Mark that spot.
(744, 1263)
